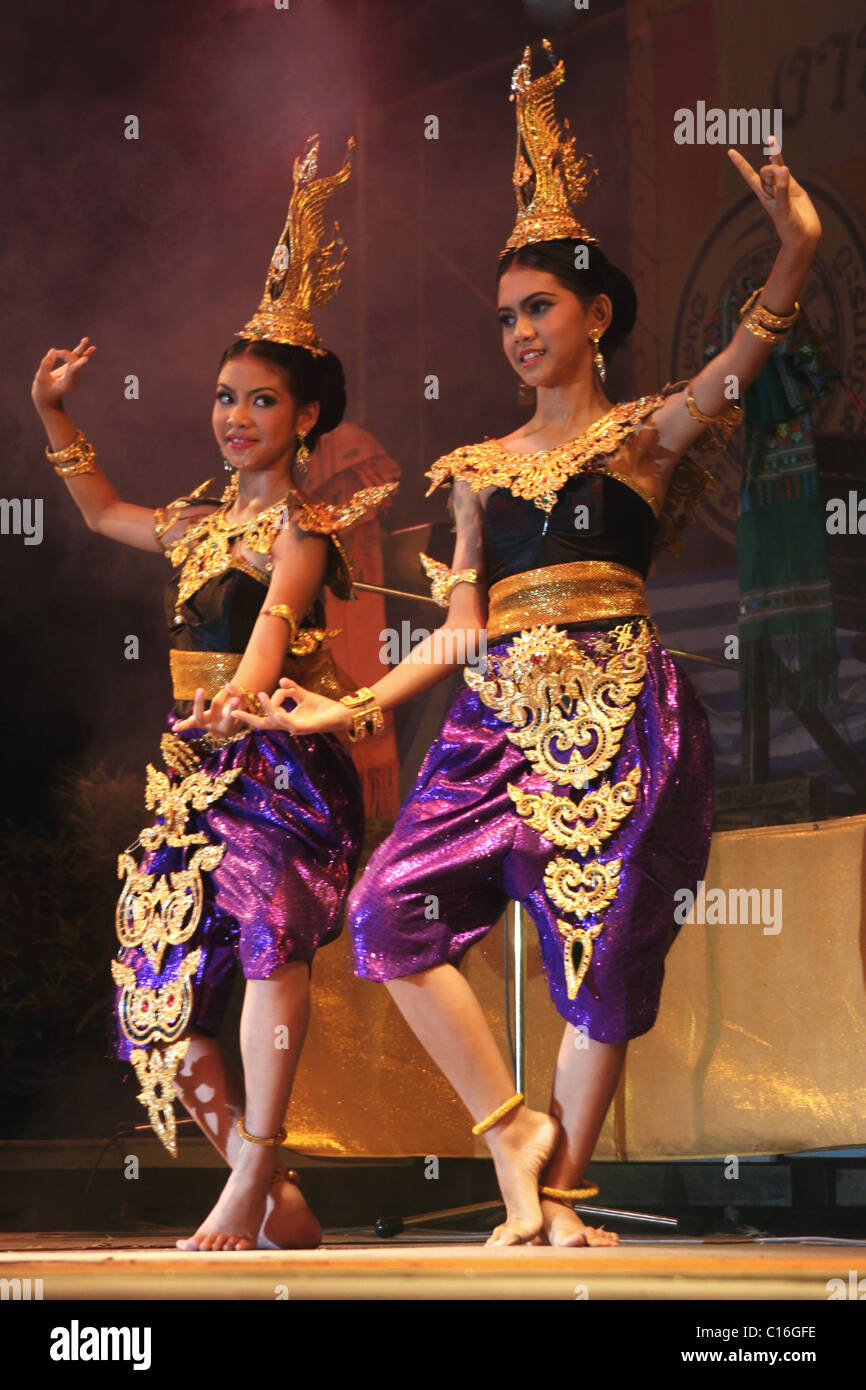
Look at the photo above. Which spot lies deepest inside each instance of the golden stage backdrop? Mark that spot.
(760, 1044)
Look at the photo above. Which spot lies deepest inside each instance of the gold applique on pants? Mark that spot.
(568, 707)
(155, 911)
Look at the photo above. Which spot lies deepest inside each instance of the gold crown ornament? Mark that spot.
(303, 273)
(548, 175)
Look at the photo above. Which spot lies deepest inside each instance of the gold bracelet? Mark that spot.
(77, 457)
(271, 1142)
(366, 715)
(497, 1115)
(570, 1194)
(442, 581)
(768, 318)
(758, 330)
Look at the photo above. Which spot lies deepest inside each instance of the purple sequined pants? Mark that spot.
(459, 852)
(292, 824)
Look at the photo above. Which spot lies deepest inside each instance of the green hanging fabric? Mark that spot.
(787, 628)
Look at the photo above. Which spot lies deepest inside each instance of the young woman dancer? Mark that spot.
(257, 834)
(575, 773)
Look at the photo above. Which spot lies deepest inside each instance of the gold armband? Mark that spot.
(442, 581)
(77, 457)
(721, 425)
(282, 610)
(366, 715)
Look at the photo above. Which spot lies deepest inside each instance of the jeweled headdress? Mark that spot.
(302, 273)
(548, 176)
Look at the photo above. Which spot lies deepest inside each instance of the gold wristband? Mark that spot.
(504, 1109)
(77, 457)
(366, 715)
(767, 317)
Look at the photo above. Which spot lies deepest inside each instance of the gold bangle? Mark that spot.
(69, 452)
(570, 1194)
(77, 457)
(270, 1143)
(770, 320)
(366, 715)
(497, 1115)
(758, 330)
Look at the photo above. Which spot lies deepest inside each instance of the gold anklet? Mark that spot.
(570, 1194)
(497, 1115)
(271, 1142)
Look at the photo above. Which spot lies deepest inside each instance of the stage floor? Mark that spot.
(441, 1265)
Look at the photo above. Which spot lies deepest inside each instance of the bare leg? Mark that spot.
(270, 1007)
(583, 1087)
(445, 1016)
(213, 1094)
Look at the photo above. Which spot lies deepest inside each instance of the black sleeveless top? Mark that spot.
(221, 615)
(616, 525)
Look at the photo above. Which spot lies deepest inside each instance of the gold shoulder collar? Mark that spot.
(538, 477)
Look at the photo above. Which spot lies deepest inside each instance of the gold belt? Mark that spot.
(212, 670)
(563, 595)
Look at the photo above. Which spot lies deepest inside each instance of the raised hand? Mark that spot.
(312, 713)
(51, 383)
(784, 200)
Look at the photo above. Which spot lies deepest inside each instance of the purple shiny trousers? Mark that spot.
(459, 853)
(292, 824)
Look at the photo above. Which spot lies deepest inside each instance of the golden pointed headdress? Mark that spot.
(548, 176)
(302, 272)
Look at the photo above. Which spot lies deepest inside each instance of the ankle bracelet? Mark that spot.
(499, 1114)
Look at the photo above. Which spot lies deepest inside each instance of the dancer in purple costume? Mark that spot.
(257, 833)
(575, 772)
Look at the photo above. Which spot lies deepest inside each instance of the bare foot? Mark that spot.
(521, 1146)
(562, 1226)
(289, 1224)
(235, 1221)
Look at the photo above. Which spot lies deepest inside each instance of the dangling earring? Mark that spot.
(598, 360)
(302, 455)
(525, 394)
(229, 467)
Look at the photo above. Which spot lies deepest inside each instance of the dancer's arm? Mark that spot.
(300, 561)
(440, 653)
(93, 494)
(727, 376)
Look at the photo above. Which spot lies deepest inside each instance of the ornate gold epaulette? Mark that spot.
(164, 517)
(538, 476)
(325, 518)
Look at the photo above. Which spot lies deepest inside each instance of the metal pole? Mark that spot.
(518, 959)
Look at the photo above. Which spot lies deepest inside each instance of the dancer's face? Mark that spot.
(256, 419)
(545, 327)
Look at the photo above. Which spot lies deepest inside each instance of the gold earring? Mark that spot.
(598, 360)
(302, 455)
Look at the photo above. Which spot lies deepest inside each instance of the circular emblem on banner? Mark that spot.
(743, 242)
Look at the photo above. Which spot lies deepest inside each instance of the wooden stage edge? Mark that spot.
(679, 1269)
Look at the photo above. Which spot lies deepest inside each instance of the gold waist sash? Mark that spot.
(563, 595)
(212, 670)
